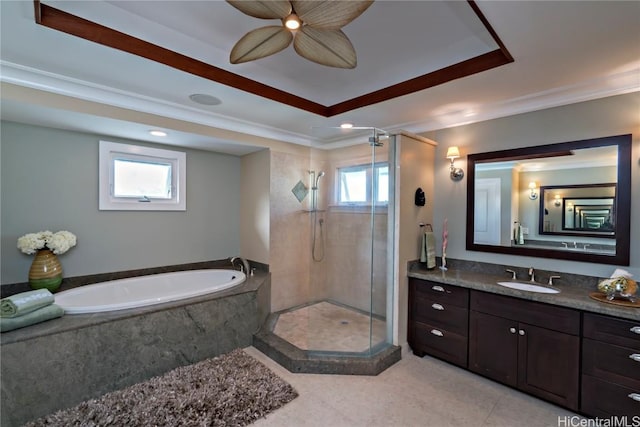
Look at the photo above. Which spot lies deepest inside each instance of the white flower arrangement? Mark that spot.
(58, 243)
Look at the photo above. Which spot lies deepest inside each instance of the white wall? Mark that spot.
(599, 118)
(49, 181)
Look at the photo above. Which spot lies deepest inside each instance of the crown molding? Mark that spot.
(33, 78)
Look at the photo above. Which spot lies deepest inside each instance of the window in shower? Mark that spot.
(363, 184)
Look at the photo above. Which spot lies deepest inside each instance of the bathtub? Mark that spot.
(146, 290)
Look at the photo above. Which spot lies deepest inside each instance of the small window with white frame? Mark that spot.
(134, 177)
(363, 185)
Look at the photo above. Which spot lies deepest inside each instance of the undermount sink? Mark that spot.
(530, 287)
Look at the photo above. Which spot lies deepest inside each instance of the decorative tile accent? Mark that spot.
(300, 191)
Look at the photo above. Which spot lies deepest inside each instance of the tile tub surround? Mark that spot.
(574, 289)
(60, 363)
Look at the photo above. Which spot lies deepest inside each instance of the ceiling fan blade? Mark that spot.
(329, 14)
(259, 43)
(270, 9)
(326, 47)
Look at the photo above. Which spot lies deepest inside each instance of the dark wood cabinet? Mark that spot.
(610, 366)
(493, 347)
(506, 345)
(438, 321)
(586, 362)
(549, 364)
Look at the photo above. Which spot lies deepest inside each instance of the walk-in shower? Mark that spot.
(349, 307)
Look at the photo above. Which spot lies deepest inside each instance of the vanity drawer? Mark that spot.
(621, 332)
(604, 399)
(617, 364)
(534, 313)
(440, 293)
(442, 315)
(441, 343)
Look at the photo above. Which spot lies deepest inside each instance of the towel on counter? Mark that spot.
(43, 314)
(25, 302)
(428, 249)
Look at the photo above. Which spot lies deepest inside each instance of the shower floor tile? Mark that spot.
(325, 326)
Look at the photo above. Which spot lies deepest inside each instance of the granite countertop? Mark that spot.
(571, 295)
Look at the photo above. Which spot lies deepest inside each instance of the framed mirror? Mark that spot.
(569, 200)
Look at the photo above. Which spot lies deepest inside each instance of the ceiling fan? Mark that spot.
(313, 26)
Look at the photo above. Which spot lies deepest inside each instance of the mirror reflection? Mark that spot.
(578, 210)
(559, 200)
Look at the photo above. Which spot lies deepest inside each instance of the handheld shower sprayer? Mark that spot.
(314, 212)
(320, 175)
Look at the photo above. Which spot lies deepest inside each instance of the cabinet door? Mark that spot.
(493, 347)
(548, 364)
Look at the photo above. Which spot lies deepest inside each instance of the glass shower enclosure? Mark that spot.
(349, 308)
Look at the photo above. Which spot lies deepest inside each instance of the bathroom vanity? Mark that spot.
(565, 348)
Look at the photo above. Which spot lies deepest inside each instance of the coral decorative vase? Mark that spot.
(45, 271)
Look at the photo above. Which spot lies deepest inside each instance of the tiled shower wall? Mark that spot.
(343, 274)
(289, 242)
(349, 260)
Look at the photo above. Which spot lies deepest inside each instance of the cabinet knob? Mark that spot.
(635, 330)
(437, 333)
(635, 396)
(521, 332)
(512, 330)
(437, 306)
(441, 289)
(635, 357)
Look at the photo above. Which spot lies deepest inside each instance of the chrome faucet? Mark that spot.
(245, 264)
(532, 274)
(551, 279)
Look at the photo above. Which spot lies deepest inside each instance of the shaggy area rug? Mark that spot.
(229, 390)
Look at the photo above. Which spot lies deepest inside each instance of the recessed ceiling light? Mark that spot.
(204, 99)
(346, 125)
(157, 133)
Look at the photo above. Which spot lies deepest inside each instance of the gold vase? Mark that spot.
(45, 271)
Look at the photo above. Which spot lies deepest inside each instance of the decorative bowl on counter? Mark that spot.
(619, 287)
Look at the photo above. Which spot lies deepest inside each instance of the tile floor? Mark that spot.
(414, 392)
(324, 326)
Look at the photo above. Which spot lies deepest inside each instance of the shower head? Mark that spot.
(320, 175)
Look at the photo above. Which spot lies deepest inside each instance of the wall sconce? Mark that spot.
(533, 194)
(456, 174)
(557, 201)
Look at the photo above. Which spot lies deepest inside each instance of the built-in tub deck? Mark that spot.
(62, 362)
